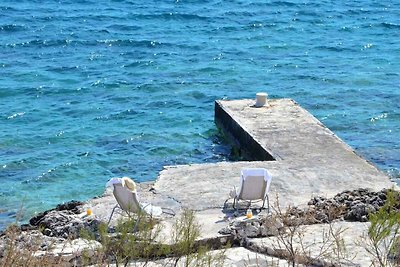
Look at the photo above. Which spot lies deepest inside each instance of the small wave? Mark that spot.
(334, 48)
(346, 29)
(109, 42)
(137, 63)
(284, 3)
(11, 28)
(392, 74)
(124, 27)
(50, 175)
(171, 16)
(355, 12)
(15, 115)
(115, 143)
(62, 69)
(225, 29)
(40, 43)
(209, 69)
(389, 25)
(197, 95)
(240, 13)
(118, 116)
(8, 8)
(379, 117)
(163, 151)
(308, 13)
(394, 174)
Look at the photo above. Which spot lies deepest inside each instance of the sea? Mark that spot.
(94, 89)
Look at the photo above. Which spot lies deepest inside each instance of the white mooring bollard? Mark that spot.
(261, 99)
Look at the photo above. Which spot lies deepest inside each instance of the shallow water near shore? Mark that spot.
(98, 89)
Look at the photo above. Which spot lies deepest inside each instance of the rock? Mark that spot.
(271, 226)
(357, 212)
(251, 230)
(261, 226)
(65, 224)
(72, 206)
(240, 233)
(321, 217)
(353, 205)
(225, 231)
(32, 239)
(382, 195)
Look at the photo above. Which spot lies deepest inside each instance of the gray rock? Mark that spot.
(72, 206)
(225, 231)
(251, 230)
(271, 226)
(321, 217)
(65, 224)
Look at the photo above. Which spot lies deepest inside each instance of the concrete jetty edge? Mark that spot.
(239, 135)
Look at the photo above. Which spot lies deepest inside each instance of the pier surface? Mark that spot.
(304, 157)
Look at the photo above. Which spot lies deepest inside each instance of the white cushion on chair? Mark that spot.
(151, 209)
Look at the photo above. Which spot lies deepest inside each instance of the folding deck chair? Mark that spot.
(254, 185)
(125, 193)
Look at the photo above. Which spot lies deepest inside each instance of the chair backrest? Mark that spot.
(254, 183)
(126, 199)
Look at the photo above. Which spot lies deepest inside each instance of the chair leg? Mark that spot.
(135, 227)
(235, 203)
(226, 201)
(168, 211)
(112, 213)
(266, 198)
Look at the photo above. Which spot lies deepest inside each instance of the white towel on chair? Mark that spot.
(113, 181)
(151, 209)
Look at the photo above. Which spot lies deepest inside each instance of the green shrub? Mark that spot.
(383, 233)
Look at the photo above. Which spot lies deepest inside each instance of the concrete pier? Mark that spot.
(304, 157)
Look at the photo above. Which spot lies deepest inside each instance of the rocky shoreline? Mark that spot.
(351, 206)
(66, 221)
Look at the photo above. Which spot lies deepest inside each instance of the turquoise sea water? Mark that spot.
(97, 89)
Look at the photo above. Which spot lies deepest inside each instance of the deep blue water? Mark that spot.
(97, 89)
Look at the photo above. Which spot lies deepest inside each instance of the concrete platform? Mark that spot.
(289, 133)
(205, 187)
(318, 241)
(304, 157)
(307, 158)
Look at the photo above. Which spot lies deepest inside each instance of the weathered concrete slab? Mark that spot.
(207, 186)
(297, 139)
(232, 257)
(241, 257)
(321, 241)
(102, 206)
(290, 133)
